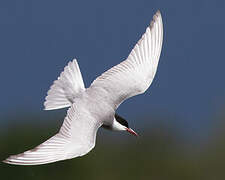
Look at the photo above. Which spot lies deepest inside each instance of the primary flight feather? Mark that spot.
(95, 106)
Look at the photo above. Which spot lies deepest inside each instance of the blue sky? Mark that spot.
(38, 38)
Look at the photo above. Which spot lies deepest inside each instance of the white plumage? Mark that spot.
(68, 85)
(95, 106)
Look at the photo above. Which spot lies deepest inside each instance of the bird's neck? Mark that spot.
(116, 126)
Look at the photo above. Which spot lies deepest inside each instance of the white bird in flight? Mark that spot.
(94, 107)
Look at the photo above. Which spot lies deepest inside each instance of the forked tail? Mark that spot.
(65, 88)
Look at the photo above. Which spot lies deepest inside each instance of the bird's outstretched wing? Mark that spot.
(134, 75)
(75, 138)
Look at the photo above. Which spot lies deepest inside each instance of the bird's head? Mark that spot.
(120, 124)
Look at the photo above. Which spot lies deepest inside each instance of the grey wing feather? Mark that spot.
(134, 75)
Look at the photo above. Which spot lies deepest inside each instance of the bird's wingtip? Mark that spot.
(158, 12)
(156, 16)
(6, 161)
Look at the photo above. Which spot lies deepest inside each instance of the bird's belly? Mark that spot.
(97, 108)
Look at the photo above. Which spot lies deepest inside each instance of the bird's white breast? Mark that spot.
(96, 104)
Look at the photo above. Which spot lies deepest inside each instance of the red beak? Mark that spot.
(131, 131)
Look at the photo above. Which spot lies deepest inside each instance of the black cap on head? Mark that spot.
(121, 120)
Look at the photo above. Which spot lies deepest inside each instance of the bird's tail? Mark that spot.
(65, 88)
(50, 151)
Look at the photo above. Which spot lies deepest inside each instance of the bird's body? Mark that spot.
(99, 107)
(94, 107)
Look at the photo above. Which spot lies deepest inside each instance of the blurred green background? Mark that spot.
(161, 152)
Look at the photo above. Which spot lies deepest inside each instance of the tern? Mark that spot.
(95, 107)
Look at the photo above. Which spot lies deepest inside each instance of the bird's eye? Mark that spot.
(121, 120)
